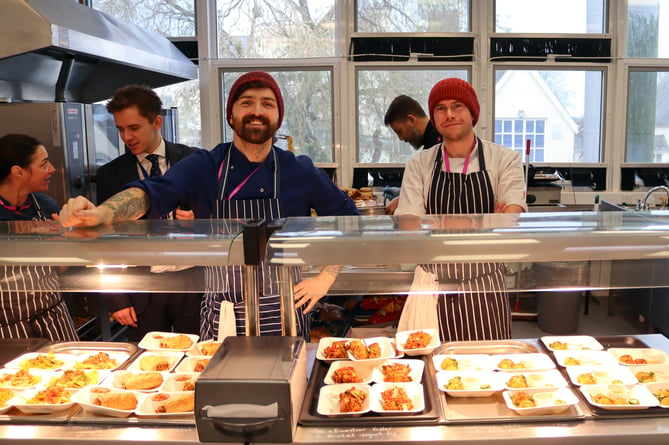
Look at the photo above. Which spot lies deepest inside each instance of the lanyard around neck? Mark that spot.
(447, 162)
(19, 209)
(225, 164)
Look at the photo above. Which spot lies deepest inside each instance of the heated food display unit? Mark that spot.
(375, 248)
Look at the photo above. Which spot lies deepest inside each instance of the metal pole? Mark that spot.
(251, 300)
(288, 319)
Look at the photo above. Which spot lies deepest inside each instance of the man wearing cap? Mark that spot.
(247, 178)
(462, 175)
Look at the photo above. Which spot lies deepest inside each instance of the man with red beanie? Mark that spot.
(462, 175)
(247, 178)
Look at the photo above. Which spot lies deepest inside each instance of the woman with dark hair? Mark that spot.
(31, 305)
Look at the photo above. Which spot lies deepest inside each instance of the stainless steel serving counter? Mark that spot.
(648, 430)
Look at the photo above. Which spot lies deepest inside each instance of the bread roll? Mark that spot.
(200, 364)
(180, 341)
(117, 400)
(209, 348)
(141, 381)
(154, 363)
(181, 403)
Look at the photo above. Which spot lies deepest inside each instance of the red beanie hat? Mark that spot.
(454, 89)
(253, 76)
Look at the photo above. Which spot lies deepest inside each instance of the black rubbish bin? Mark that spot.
(558, 311)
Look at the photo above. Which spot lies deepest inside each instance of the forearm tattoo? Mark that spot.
(132, 203)
(333, 271)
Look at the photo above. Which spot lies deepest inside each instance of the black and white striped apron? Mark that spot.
(480, 309)
(32, 306)
(229, 278)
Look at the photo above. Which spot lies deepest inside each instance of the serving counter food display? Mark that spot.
(580, 250)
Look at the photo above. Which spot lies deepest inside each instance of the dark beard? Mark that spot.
(256, 135)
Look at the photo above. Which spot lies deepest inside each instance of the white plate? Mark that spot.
(198, 348)
(572, 343)
(174, 383)
(172, 359)
(413, 391)
(584, 358)
(463, 362)
(658, 373)
(188, 364)
(525, 362)
(362, 370)
(151, 341)
(386, 350)
(118, 357)
(325, 343)
(23, 361)
(639, 392)
(20, 402)
(415, 370)
(657, 386)
(83, 399)
(42, 377)
(536, 380)
(545, 402)
(650, 355)
(146, 407)
(402, 337)
(4, 407)
(609, 375)
(116, 380)
(475, 383)
(328, 399)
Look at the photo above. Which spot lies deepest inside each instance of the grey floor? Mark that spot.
(601, 320)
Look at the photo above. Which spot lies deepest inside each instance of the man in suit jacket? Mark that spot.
(136, 110)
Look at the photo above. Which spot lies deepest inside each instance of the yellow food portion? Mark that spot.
(455, 384)
(509, 364)
(5, 395)
(21, 379)
(101, 360)
(42, 361)
(449, 364)
(52, 395)
(76, 379)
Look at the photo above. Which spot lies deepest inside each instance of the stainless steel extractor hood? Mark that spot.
(61, 51)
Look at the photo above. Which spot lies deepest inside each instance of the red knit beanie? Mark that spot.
(454, 89)
(254, 76)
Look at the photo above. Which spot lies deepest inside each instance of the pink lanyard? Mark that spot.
(241, 184)
(447, 163)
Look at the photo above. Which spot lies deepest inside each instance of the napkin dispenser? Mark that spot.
(252, 390)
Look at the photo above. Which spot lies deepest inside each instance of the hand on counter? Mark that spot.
(311, 290)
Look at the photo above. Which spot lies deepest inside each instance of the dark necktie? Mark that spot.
(155, 168)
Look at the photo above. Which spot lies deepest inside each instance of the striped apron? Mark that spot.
(31, 304)
(225, 283)
(480, 309)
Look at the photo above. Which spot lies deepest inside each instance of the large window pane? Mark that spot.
(307, 97)
(550, 16)
(412, 16)
(172, 18)
(648, 28)
(276, 29)
(376, 90)
(648, 117)
(185, 97)
(561, 112)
